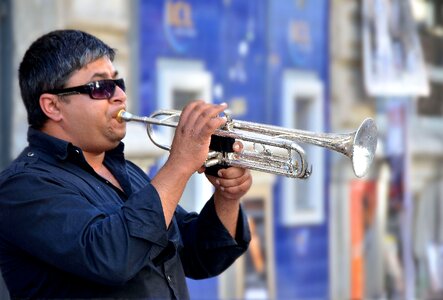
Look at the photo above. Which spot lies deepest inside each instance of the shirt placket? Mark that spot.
(168, 269)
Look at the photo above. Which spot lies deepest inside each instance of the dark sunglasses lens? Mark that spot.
(103, 89)
(121, 84)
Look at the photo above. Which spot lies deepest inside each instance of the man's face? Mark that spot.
(88, 123)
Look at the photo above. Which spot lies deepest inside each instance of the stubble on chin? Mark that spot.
(116, 134)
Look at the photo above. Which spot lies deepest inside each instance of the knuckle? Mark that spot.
(204, 114)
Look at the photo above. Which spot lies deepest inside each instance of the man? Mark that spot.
(79, 221)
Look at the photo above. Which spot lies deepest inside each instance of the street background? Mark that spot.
(317, 65)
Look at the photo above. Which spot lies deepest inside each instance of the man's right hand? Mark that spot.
(189, 151)
(190, 146)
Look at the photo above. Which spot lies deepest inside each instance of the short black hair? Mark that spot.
(49, 63)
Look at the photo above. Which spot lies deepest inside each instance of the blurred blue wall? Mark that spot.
(214, 38)
(302, 257)
(245, 46)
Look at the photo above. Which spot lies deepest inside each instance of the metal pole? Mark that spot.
(408, 213)
(6, 50)
(5, 97)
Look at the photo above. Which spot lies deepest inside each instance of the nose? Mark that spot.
(119, 95)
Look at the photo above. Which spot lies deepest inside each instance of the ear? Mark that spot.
(50, 105)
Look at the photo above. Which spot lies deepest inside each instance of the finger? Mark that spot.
(188, 109)
(231, 172)
(201, 169)
(237, 191)
(199, 119)
(240, 178)
(213, 180)
(190, 115)
(237, 146)
(209, 119)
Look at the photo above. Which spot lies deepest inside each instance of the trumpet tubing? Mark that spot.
(359, 146)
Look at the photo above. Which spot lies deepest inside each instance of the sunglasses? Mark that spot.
(101, 89)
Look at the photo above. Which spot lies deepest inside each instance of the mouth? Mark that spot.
(118, 115)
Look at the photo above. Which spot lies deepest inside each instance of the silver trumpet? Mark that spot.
(288, 158)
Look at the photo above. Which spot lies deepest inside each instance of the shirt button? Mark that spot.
(169, 278)
(30, 154)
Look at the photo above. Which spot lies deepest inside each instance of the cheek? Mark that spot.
(87, 122)
(94, 114)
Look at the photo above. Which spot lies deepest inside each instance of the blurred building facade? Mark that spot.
(293, 63)
(400, 242)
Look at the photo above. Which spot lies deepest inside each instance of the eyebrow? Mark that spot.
(104, 75)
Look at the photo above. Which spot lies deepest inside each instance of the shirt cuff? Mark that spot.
(214, 232)
(145, 218)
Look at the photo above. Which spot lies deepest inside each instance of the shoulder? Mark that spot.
(21, 163)
(31, 169)
(23, 174)
(29, 160)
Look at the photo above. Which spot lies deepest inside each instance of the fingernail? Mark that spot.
(222, 189)
(217, 182)
(219, 173)
(236, 147)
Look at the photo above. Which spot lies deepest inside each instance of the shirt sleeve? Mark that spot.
(55, 221)
(209, 249)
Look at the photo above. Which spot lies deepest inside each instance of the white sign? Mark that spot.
(393, 58)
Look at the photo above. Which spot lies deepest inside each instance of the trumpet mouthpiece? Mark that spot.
(123, 116)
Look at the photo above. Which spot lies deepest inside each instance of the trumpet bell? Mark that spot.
(365, 144)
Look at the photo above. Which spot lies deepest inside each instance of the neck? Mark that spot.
(95, 160)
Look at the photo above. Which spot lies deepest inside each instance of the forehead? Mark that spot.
(101, 68)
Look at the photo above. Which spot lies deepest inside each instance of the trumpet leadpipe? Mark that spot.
(124, 116)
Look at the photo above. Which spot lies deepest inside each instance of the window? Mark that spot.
(430, 23)
(182, 97)
(180, 81)
(432, 106)
(302, 108)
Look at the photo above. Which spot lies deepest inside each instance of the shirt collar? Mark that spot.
(61, 148)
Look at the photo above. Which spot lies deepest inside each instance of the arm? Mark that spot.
(231, 185)
(209, 248)
(220, 234)
(189, 151)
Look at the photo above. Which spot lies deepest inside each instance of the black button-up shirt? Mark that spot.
(65, 232)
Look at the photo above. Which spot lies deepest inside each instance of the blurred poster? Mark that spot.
(395, 147)
(363, 202)
(400, 205)
(392, 54)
